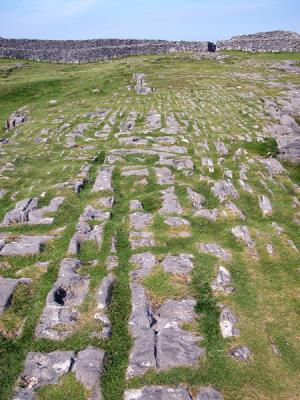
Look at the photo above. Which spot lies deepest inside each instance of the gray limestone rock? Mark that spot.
(179, 163)
(171, 204)
(88, 370)
(157, 393)
(159, 340)
(79, 182)
(164, 176)
(265, 205)
(181, 227)
(223, 189)
(85, 232)
(104, 291)
(227, 322)
(23, 245)
(142, 356)
(140, 86)
(140, 220)
(274, 167)
(91, 213)
(208, 163)
(170, 149)
(43, 369)
(221, 148)
(15, 119)
(37, 215)
(106, 202)
(20, 213)
(63, 301)
(23, 394)
(209, 393)
(133, 140)
(135, 205)
(145, 262)
(134, 171)
(222, 281)
(242, 233)
(104, 179)
(7, 288)
(177, 222)
(175, 346)
(141, 239)
(112, 262)
(214, 249)
(196, 199)
(241, 353)
(153, 120)
(235, 210)
(182, 264)
(212, 215)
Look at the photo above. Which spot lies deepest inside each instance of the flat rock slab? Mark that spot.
(170, 204)
(141, 239)
(182, 264)
(145, 262)
(142, 355)
(133, 140)
(42, 369)
(157, 393)
(153, 120)
(134, 171)
(159, 340)
(24, 245)
(175, 346)
(164, 176)
(7, 288)
(104, 179)
(214, 249)
(139, 220)
(88, 370)
(61, 310)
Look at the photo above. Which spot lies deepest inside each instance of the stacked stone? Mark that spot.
(275, 41)
(77, 51)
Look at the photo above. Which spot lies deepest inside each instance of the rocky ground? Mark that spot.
(149, 228)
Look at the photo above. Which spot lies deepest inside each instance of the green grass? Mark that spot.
(205, 93)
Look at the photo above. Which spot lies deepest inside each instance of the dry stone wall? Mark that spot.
(76, 51)
(275, 41)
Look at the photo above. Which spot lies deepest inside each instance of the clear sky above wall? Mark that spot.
(152, 19)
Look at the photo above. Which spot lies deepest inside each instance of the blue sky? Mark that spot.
(164, 19)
